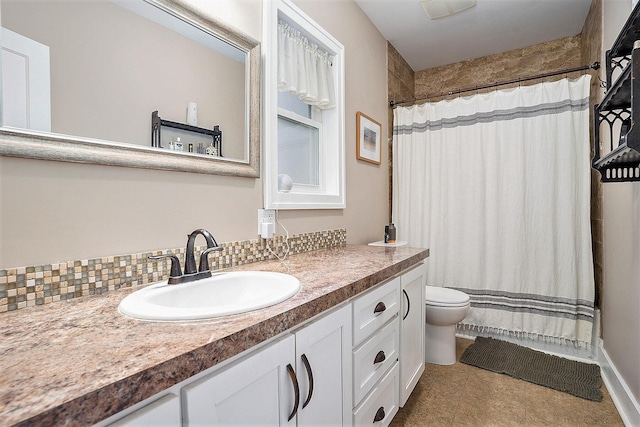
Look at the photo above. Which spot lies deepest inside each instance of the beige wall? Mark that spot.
(55, 211)
(241, 14)
(621, 218)
(366, 91)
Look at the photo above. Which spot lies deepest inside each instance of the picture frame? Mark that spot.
(368, 139)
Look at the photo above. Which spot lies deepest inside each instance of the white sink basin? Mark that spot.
(220, 295)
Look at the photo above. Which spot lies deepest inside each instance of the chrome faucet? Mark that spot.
(190, 272)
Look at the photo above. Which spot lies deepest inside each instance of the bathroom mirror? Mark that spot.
(97, 70)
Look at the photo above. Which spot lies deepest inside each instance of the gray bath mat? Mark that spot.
(576, 378)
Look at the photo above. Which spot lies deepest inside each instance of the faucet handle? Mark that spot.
(175, 264)
(204, 258)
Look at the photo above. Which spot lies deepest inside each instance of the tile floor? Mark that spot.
(463, 395)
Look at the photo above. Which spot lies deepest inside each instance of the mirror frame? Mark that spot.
(49, 146)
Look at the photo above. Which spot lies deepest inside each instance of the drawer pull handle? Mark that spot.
(380, 307)
(379, 415)
(380, 357)
(296, 390)
(408, 304)
(307, 366)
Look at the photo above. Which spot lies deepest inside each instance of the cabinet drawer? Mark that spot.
(382, 346)
(381, 405)
(374, 309)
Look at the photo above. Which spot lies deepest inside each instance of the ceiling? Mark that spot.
(492, 26)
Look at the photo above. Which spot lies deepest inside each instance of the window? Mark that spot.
(299, 136)
(304, 123)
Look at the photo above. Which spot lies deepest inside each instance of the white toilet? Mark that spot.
(445, 309)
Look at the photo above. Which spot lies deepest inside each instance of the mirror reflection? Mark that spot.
(99, 69)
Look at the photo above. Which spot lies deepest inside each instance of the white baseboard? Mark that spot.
(626, 404)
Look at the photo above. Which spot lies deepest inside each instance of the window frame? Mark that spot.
(331, 192)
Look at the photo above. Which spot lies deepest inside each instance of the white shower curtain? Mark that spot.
(497, 185)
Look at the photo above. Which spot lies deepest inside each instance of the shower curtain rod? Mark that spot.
(594, 66)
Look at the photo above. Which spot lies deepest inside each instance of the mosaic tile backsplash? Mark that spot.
(29, 286)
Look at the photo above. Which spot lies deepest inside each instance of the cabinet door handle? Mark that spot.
(380, 307)
(307, 366)
(380, 357)
(296, 390)
(379, 415)
(408, 304)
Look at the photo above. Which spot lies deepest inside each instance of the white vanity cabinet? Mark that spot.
(303, 378)
(412, 330)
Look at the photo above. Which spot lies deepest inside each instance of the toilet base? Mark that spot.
(440, 344)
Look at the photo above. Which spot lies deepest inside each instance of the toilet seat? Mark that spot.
(445, 297)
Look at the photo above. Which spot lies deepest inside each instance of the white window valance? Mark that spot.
(304, 69)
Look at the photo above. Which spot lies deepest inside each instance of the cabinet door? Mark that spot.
(323, 354)
(412, 330)
(164, 412)
(258, 390)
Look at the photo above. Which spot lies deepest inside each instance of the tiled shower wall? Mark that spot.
(29, 286)
(400, 83)
(555, 55)
(519, 63)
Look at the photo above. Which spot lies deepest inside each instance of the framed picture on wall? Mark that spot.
(368, 139)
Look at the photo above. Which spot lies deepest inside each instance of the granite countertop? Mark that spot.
(80, 361)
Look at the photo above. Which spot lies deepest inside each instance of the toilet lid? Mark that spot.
(436, 295)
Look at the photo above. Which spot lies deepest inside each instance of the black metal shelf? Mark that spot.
(620, 165)
(619, 95)
(620, 108)
(157, 123)
(620, 51)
